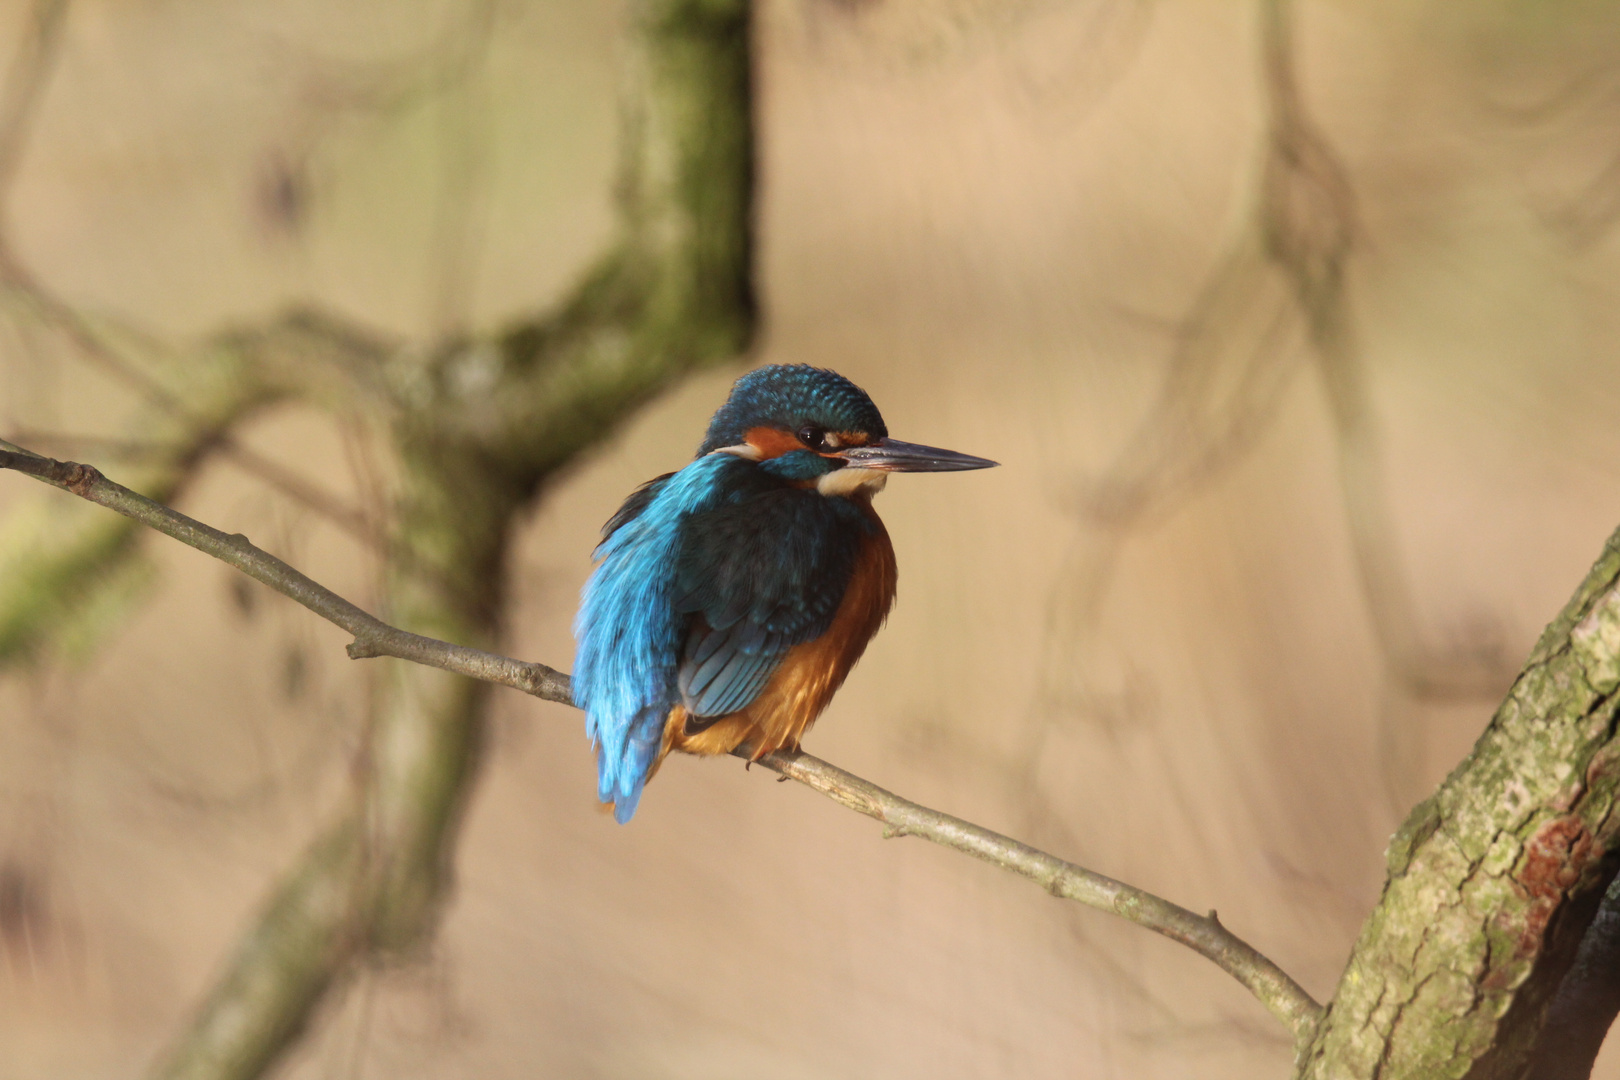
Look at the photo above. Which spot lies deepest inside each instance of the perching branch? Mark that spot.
(68, 573)
(1204, 934)
(372, 638)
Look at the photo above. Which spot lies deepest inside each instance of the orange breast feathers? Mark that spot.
(810, 673)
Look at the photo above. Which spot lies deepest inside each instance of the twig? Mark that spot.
(351, 519)
(24, 86)
(1284, 997)
(372, 637)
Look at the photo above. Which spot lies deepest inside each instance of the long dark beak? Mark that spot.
(892, 455)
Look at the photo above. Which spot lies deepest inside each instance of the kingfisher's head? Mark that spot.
(813, 426)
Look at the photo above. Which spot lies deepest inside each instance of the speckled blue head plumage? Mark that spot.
(788, 397)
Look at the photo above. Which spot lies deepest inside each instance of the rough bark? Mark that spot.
(1587, 1002)
(1494, 879)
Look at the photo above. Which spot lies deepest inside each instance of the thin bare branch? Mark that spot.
(24, 86)
(353, 520)
(372, 636)
(1204, 934)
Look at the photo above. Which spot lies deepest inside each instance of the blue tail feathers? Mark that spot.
(629, 633)
(622, 777)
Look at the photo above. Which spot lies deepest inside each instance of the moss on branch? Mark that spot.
(1493, 880)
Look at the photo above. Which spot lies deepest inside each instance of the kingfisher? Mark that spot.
(731, 598)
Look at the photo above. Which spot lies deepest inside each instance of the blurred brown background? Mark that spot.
(1007, 221)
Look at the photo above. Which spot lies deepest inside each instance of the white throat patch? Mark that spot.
(852, 480)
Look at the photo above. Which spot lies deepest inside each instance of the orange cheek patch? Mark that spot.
(772, 442)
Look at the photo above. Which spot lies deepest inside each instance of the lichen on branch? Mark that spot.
(1493, 880)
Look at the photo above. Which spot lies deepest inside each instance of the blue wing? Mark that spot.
(629, 633)
(632, 506)
(707, 578)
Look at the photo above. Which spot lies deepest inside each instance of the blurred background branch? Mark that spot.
(479, 423)
(1283, 278)
(478, 427)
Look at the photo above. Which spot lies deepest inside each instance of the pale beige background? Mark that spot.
(990, 215)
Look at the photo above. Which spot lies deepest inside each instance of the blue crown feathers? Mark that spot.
(789, 396)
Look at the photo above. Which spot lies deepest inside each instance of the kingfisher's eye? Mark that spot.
(814, 437)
